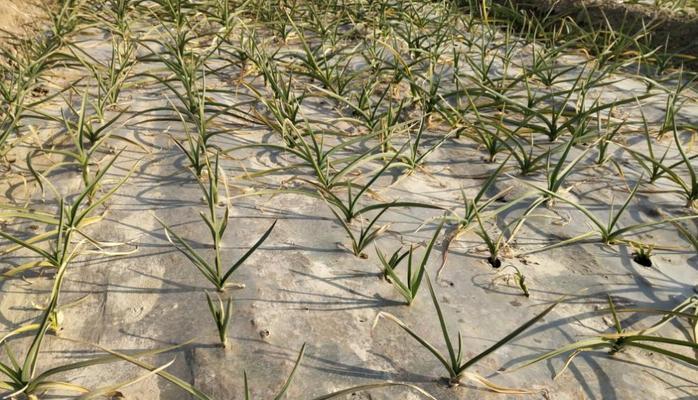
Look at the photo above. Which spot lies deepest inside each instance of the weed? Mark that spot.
(518, 277)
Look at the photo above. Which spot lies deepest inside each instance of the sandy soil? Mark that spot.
(303, 286)
(20, 16)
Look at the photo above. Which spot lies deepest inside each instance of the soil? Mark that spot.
(22, 17)
(303, 286)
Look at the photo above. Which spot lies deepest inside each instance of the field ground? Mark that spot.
(328, 135)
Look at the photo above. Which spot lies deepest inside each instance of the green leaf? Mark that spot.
(249, 252)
